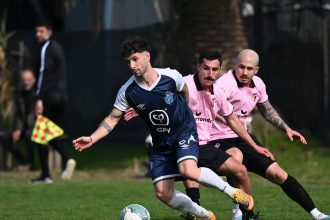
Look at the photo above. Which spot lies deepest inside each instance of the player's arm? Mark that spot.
(185, 92)
(236, 125)
(105, 127)
(271, 115)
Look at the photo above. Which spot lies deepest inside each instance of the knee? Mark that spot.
(276, 175)
(236, 154)
(241, 172)
(164, 195)
(188, 173)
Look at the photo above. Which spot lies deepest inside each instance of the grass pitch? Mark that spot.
(105, 183)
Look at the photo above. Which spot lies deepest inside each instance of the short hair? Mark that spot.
(210, 55)
(134, 45)
(44, 23)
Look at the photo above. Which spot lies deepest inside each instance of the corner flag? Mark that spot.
(45, 130)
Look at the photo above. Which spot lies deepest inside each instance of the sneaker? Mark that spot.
(212, 216)
(42, 180)
(324, 217)
(237, 214)
(188, 216)
(69, 169)
(243, 199)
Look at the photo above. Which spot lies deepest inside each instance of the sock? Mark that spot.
(183, 203)
(316, 214)
(297, 193)
(194, 195)
(211, 179)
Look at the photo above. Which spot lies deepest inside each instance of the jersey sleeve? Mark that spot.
(226, 108)
(178, 78)
(121, 103)
(262, 90)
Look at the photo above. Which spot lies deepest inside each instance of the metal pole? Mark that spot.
(325, 64)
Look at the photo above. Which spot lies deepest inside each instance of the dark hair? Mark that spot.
(44, 23)
(134, 45)
(210, 55)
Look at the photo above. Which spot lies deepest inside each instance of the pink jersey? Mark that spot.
(205, 106)
(244, 99)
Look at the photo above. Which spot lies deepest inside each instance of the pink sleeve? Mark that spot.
(226, 108)
(262, 90)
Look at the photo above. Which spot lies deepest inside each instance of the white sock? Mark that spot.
(316, 214)
(236, 206)
(211, 179)
(183, 203)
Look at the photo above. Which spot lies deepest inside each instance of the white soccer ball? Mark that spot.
(134, 212)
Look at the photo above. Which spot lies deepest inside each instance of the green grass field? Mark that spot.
(105, 183)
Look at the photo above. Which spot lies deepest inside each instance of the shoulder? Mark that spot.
(129, 82)
(258, 82)
(173, 73)
(227, 80)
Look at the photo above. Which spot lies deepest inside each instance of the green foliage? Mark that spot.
(6, 74)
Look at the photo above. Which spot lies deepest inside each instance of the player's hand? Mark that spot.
(39, 107)
(130, 114)
(292, 134)
(265, 151)
(82, 143)
(16, 135)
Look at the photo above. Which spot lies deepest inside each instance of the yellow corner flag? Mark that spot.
(45, 130)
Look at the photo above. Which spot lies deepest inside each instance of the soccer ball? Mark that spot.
(134, 212)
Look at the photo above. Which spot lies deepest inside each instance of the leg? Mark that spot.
(44, 178)
(192, 190)
(293, 189)
(166, 193)
(68, 165)
(188, 169)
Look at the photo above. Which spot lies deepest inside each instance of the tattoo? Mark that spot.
(271, 115)
(106, 126)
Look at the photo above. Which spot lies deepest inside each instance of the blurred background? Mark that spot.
(291, 37)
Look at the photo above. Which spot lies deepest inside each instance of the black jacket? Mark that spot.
(54, 74)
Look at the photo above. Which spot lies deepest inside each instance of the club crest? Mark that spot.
(169, 97)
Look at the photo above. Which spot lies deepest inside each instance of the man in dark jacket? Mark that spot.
(23, 122)
(51, 98)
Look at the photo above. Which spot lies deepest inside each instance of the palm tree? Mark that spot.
(6, 82)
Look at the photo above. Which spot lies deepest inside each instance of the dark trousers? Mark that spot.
(54, 109)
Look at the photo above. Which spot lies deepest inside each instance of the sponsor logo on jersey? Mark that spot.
(169, 97)
(208, 120)
(141, 106)
(243, 112)
(159, 117)
(198, 113)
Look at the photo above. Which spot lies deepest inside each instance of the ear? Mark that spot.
(147, 55)
(257, 70)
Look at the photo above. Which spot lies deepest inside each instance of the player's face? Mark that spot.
(43, 33)
(138, 63)
(27, 79)
(245, 69)
(208, 72)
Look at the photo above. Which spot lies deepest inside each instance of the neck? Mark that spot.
(149, 77)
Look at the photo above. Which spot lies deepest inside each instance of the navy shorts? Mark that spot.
(164, 165)
(253, 161)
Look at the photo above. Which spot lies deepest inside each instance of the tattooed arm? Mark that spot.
(271, 115)
(106, 126)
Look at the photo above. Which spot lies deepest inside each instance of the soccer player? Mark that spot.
(158, 95)
(206, 103)
(245, 90)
